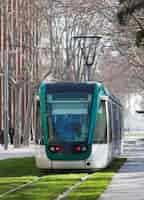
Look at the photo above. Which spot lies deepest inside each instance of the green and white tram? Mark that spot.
(79, 126)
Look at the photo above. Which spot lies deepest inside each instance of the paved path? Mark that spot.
(16, 153)
(128, 184)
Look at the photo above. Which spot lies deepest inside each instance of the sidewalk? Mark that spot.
(128, 184)
(16, 153)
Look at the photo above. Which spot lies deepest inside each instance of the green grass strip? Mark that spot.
(49, 187)
(16, 172)
(96, 185)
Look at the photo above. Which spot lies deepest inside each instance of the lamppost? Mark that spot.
(88, 45)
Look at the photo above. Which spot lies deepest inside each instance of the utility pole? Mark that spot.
(6, 81)
(6, 99)
(51, 31)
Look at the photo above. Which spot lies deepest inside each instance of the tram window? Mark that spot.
(115, 123)
(100, 133)
(121, 122)
(110, 121)
(70, 128)
(68, 122)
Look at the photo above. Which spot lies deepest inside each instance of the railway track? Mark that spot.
(59, 197)
(19, 187)
(73, 187)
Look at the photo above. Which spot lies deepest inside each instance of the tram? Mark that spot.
(78, 126)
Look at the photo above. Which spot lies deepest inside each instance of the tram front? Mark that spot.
(66, 123)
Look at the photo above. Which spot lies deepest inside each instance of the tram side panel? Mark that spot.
(116, 129)
(101, 154)
(40, 155)
(109, 131)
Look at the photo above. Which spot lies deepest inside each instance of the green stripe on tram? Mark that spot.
(43, 113)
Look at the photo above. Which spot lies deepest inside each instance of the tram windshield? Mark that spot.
(68, 117)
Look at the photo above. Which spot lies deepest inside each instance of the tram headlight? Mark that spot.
(52, 148)
(83, 148)
(80, 148)
(55, 148)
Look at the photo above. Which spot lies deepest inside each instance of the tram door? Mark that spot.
(100, 133)
(110, 127)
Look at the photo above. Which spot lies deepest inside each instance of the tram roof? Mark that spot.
(70, 84)
(82, 86)
(65, 86)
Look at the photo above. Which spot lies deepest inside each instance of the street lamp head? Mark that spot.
(88, 44)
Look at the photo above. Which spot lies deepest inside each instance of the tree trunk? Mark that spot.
(17, 136)
(28, 118)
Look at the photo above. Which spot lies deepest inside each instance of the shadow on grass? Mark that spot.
(26, 167)
(115, 165)
(19, 167)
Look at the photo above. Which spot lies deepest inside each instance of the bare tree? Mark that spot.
(130, 16)
(41, 45)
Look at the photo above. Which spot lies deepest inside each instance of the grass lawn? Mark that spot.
(95, 186)
(15, 172)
